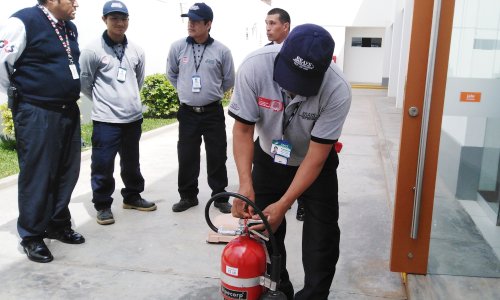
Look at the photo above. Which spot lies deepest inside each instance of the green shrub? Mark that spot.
(159, 96)
(227, 97)
(7, 121)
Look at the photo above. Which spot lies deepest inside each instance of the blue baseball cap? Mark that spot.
(303, 60)
(199, 12)
(114, 7)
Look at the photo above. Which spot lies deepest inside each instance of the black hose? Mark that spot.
(275, 256)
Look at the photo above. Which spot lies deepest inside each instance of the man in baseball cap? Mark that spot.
(201, 69)
(297, 100)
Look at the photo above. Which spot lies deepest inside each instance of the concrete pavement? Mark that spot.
(163, 255)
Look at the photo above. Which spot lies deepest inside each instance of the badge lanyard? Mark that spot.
(281, 150)
(196, 88)
(64, 41)
(289, 120)
(197, 65)
(122, 72)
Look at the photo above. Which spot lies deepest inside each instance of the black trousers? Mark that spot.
(108, 139)
(320, 234)
(210, 125)
(48, 149)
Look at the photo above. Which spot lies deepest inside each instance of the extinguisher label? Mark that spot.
(231, 271)
(227, 293)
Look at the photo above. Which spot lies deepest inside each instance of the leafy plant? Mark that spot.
(159, 96)
(7, 121)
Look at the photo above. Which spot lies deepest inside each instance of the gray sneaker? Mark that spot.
(105, 216)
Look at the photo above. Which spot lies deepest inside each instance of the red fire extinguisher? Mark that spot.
(244, 259)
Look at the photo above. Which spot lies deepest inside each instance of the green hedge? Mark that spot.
(159, 97)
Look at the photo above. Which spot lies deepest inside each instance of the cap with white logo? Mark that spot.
(114, 7)
(303, 60)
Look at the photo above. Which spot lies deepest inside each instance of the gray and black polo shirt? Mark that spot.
(258, 99)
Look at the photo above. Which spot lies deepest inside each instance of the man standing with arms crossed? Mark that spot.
(298, 101)
(40, 56)
(202, 70)
(112, 75)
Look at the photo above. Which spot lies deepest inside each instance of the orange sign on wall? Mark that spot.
(470, 97)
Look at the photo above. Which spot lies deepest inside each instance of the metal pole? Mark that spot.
(425, 119)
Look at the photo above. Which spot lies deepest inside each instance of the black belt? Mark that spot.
(50, 105)
(201, 109)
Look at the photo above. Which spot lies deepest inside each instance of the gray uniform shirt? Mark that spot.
(258, 99)
(113, 101)
(216, 71)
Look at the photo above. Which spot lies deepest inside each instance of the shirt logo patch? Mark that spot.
(210, 61)
(185, 60)
(275, 105)
(6, 47)
(309, 116)
(105, 59)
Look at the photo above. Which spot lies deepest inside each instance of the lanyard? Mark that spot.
(121, 55)
(285, 125)
(64, 42)
(197, 65)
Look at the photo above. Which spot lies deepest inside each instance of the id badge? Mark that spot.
(281, 151)
(196, 88)
(74, 71)
(122, 74)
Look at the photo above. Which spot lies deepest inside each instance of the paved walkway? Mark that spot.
(163, 255)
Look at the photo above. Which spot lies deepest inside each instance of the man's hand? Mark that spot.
(274, 213)
(240, 208)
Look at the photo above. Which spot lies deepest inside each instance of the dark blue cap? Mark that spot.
(199, 12)
(303, 60)
(114, 7)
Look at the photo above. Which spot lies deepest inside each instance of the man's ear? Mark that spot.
(287, 26)
(104, 19)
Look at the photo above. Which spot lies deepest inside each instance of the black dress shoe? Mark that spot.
(224, 207)
(66, 235)
(37, 251)
(184, 204)
(300, 213)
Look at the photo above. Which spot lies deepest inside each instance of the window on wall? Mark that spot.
(366, 42)
(485, 44)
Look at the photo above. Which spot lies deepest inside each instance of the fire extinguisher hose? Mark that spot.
(275, 256)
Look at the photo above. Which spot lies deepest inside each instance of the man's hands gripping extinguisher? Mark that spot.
(243, 261)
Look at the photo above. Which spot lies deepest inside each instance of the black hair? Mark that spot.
(284, 16)
(42, 2)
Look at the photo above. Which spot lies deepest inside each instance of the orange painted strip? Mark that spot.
(470, 97)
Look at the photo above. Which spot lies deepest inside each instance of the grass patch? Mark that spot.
(8, 155)
(8, 162)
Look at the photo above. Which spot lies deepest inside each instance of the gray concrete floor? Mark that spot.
(163, 255)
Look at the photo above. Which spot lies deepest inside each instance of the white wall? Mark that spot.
(364, 64)
(155, 24)
(359, 13)
(475, 19)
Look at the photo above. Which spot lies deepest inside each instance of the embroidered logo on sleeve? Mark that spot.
(234, 106)
(4, 45)
(275, 105)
